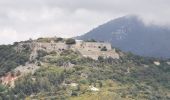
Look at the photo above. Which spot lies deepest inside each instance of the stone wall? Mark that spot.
(51, 46)
(92, 46)
(87, 49)
(93, 50)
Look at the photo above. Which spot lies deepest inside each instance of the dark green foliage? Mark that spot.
(46, 40)
(41, 53)
(74, 93)
(100, 84)
(10, 58)
(91, 40)
(70, 41)
(104, 49)
(100, 59)
(58, 39)
(2, 88)
(46, 79)
(82, 82)
(66, 56)
(128, 71)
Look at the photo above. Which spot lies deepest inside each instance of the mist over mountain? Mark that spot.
(129, 33)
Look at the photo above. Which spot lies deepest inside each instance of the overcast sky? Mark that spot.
(24, 19)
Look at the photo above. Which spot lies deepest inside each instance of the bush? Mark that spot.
(91, 40)
(100, 59)
(44, 40)
(41, 53)
(70, 41)
(58, 39)
(83, 81)
(74, 93)
(104, 49)
(2, 88)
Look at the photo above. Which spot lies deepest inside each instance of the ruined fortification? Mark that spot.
(87, 49)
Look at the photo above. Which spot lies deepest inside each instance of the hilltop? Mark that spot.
(92, 49)
(58, 68)
(32, 50)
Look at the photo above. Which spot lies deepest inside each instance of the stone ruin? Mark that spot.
(87, 49)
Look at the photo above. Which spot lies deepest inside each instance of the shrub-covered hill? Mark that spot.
(69, 76)
(10, 58)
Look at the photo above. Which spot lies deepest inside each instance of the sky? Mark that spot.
(24, 19)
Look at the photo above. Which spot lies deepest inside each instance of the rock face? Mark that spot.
(129, 33)
(92, 88)
(28, 68)
(157, 63)
(10, 78)
(87, 49)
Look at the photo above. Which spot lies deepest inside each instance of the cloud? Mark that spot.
(22, 19)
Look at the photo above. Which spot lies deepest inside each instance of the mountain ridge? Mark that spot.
(129, 33)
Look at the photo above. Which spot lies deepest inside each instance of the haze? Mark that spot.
(24, 19)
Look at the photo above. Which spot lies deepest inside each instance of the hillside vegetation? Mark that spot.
(70, 76)
(10, 58)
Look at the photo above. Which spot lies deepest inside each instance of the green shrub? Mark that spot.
(104, 49)
(83, 81)
(10, 58)
(2, 88)
(91, 40)
(46, 40)
(74, 93)
(70, 41)
(41, 53)
(100, 59)
(58, 39)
